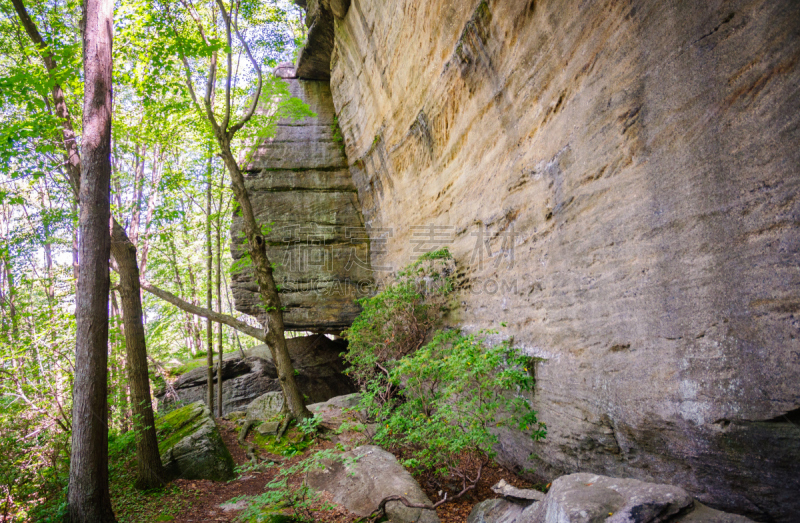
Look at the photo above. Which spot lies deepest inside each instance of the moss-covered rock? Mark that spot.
(191, 446)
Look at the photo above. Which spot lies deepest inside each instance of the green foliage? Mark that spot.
(396, 321)
(451, 396)
(310, 426)
(284, 500)
(439, 403)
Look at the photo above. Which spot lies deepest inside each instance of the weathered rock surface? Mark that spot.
(495, 511)
(589, 498)
(620, 184)
(298, 181)
(585, 498)
(316, 359)
(361, 485)
(334, 412)
(190, 445)
(516, 495)
(265, 407)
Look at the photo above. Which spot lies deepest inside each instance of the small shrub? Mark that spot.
(452, 396)
(396, 321)
(438, 403)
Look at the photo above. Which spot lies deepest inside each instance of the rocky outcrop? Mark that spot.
(300, 187)
(316, 359)
(363, 477)
(619, 184)
(191, 447)
(589, 498)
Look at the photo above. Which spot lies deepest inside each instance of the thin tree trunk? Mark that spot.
(209, 298)
(122, 385)
(219, 303)
(113, 343)
(150, 472)
(88, 498)
(189, 323)
(235, 333)
(155, 181)
(274, 334)
(224, 132)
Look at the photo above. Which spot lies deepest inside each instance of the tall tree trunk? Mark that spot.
(150, 472)
(122, 384)
(209, 283)
(219, 303)
(88, 497)
(224, 132)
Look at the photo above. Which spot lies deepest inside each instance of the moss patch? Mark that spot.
(291, 444)
(173, 427)
(188, 366)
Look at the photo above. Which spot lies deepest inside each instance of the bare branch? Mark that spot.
(251, 111)
(226, 119)
(205, 313)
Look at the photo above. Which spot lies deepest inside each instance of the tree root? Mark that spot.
(381, 510)
(287, 419)
(244, 430)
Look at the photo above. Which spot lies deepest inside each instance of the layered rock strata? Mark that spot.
(620, 183)
(300, 188)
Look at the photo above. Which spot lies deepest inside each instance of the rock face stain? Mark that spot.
(642, 161)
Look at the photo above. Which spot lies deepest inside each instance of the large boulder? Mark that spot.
(366, 475)
(316, 359)
(589, 498)
(191, 447)
(586, 498)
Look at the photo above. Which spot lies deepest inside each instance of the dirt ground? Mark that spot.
(209, 495)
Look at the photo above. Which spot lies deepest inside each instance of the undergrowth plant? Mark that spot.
(397, 320)
(284, 502)
(452, 395)
(437, 396)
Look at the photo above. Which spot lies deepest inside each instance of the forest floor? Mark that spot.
(193, 501)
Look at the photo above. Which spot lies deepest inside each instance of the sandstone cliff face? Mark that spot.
(301, 188)
(619, 183)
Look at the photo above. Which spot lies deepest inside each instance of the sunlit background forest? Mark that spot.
(169, 190)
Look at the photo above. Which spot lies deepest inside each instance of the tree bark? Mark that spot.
(205, 313)
(209, 298)
(219, 305)
(274, 331)
(88, 498)
(150, 472)
(224, 132)
(97, 108)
